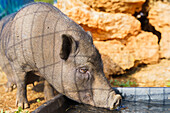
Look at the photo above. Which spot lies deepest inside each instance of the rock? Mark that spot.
(114, 56)
(144, 47)
(156, 75)
(110, 67)
(104, 26)
(115, 6)
(117, 53)
(109, 6)
(165, 45)
(118, 57)
(159, 17)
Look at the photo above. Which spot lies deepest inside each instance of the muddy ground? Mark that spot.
(157, 75)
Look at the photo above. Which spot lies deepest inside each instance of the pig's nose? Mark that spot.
(116, 101)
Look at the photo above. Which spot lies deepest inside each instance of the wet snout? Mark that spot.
(114, 100)
(103, 94)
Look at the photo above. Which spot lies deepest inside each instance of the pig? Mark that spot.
(40, 38)
(31, 76)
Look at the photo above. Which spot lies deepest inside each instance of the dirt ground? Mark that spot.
(157, 75)
(7, 99)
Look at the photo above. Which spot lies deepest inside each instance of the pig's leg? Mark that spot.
(21, 99)
(48, 91)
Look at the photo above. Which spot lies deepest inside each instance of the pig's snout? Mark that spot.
(115, 101)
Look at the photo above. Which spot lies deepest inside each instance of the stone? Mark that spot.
(118, 57)
(115, 6)
(159, 17)
(115, 57)
(165, 45)
(144, 47)
(110, 67)
(109, 6)
(156, 75)
(104, 26)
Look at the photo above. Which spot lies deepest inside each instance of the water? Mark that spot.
(142, 107)
(87, 109)
(127, 107)
(135, 100)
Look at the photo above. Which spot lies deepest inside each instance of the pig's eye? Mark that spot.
(83, 70)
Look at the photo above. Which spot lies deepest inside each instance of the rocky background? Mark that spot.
(128, 34)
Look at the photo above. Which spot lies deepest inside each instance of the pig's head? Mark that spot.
(82, 72)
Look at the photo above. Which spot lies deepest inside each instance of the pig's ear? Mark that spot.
(68, 46)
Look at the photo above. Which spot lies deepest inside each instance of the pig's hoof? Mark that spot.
(116, 102)
(23, 105)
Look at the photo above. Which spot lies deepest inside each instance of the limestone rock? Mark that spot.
(159, 17)
(115, 6)
(165, 45)
(117, 52)
(104, 26)
(156, 75)
(109, 6)
(114, 56)
(110, 67)
(144, 47)
(118, 57)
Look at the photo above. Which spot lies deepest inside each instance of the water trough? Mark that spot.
(135, 99)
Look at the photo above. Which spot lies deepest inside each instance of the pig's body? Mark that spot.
(5, 65)
(40, 38)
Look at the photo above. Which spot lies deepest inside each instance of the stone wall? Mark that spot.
(159, 17)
